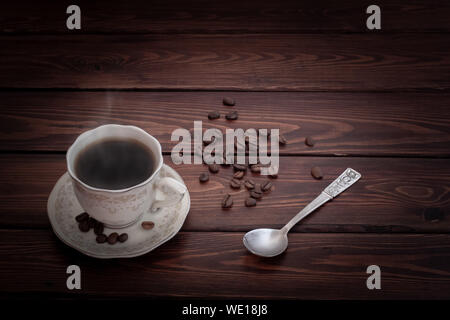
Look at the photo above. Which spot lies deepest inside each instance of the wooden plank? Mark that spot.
(228, 62)
(394, 195)
(216, 265)
(202, 16)
(412, 124)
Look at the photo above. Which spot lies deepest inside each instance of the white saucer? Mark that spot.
(63, 207)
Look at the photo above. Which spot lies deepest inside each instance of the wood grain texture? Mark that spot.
(233, 16)
(216, 265)
(412, 124)
(394, 195)
(235, 62)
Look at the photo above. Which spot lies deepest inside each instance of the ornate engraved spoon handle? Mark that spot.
(342, 183)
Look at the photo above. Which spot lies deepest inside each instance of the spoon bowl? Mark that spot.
(266, 242)
(272, 242)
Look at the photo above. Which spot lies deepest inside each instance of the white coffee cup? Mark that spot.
(120, 208)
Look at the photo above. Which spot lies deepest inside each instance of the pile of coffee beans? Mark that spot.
(86, 223)
(255, 190)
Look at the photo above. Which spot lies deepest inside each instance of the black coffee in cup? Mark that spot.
(114, 164)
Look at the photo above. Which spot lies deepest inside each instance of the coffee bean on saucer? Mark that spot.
(147, 225)
(84, 226)
(240, 167)
(213, 167)
(99, 228)
(250, 202)
(228, 101)
(235, 183)
(316, 172)
(92, 222)
(112, 238)
(227, 201)
(266, 186)
(309, 141)
(81, 217)
(239, 174)
(282, 140)
(204, 177)
(213, 115)
(233, 115)
(101, 238)
(123, 237)
(249, 184)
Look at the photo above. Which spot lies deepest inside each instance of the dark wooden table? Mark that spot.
(376, 101)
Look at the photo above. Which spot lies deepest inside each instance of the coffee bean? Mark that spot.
(213, 167)
(227, 201)
(214, 115)
(101, 238)
(255, 168)
(250, 202)
(316, 172)
(92, 222)
(112, 238)
(257, 188)
(99, 228)
(123, 237)
(81, 217)
(255, 194)
(240, 167)
(204, 177)
(84, 226)
(147, 225)
(235, 183)
(249, 184)
(309, 141)
(282, 140)
(266, 186)
(433, 214)
(239, 174)
(228, 101)
(233, 115)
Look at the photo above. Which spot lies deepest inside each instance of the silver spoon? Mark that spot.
(272, 242)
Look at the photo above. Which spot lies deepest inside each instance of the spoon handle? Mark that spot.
(342, 183)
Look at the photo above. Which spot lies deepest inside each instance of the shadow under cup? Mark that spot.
(122, 207)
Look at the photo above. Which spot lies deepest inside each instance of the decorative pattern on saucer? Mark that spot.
(63, 207)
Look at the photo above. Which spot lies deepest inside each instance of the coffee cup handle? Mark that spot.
(168, 191)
